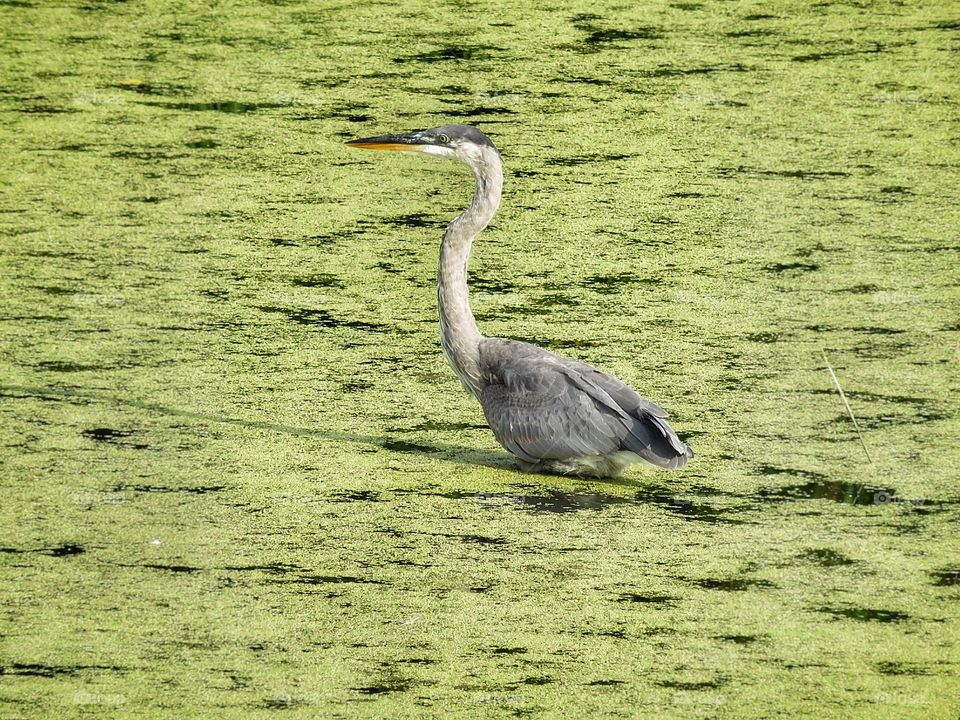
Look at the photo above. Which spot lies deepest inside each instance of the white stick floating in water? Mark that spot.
(836, 381)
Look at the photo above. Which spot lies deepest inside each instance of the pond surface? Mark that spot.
(239, 479)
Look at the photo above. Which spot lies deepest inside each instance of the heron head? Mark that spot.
(459, 142)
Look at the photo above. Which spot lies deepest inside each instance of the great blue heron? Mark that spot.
(554, 414)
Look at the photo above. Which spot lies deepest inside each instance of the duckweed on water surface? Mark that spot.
(239, 480)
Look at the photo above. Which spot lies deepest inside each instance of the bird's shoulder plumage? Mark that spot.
(542, 406)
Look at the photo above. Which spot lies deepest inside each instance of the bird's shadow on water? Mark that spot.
(535, 493)
(545, 498)
(391, 443)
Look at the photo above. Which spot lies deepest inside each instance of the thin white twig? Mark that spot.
(836, 381)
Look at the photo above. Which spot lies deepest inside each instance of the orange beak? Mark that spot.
(413, 142)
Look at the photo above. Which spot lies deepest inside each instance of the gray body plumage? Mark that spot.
(566, 416)
(552, 413)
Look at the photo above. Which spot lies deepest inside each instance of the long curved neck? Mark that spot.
(458, 328)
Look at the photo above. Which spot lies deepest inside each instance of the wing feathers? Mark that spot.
(541, 406)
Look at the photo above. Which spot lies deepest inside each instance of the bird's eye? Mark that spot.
(443, 138)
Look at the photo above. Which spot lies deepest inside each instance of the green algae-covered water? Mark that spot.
(239, 480)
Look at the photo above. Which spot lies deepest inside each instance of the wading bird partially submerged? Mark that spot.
(554, 414)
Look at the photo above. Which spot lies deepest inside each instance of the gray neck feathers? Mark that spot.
(458, 328)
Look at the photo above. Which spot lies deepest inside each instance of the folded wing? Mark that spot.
(541, 406)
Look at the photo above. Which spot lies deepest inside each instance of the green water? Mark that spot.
(239, 479)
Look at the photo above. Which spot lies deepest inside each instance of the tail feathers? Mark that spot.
(656, 442)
